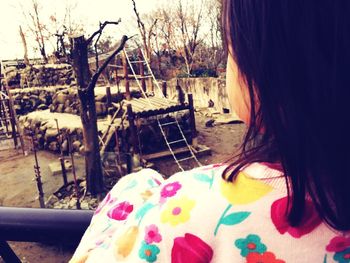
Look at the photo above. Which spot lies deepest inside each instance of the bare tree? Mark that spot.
(189, 20)
(24, 42)
(37, 28)
(146, 32)
(216, 52)
(86, 85)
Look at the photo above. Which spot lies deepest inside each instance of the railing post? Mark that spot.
(164, 89)
(180, 93)
(133, 130)
(7, 253)
(192, 117)
(108, 97)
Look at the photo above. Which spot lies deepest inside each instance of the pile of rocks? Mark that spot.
(65, 198)
(67, 101)
(47, 137)
(31, 99)
(40, 75)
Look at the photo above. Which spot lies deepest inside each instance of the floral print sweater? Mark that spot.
(197, 217)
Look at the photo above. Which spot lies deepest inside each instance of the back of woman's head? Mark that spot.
(294, 56)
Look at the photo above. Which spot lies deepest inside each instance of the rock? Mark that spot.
(68, 110)
(53, 146)
(42, 107)
(210, 123)
(58, 206)
(73, 203)
(82, 150)
(51, 200)
(64, 146)
(50, 134)
(65, 206)
(76, 145)
(84, 205)
(93, 203)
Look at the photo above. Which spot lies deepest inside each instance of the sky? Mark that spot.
(86, 12)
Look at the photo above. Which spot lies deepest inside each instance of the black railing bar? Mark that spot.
(43, 225)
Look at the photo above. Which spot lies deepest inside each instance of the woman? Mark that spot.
(286, 199)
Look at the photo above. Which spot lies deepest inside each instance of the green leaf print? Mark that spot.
(234, 218)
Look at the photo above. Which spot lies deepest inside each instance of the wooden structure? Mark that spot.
(138, 113)
(9, 128)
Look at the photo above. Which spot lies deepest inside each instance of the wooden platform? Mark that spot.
(152, 106)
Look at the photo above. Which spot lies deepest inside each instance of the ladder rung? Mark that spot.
(173, 142)
(114, 66)
(185, 159)
(168, 123)
(138, 61)
(143, 77)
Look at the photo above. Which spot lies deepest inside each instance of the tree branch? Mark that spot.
(95, 77)
(102, 26)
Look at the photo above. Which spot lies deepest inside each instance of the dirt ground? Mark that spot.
(18, 189)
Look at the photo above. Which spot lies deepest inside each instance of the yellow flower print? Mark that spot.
(146, 195)
(125, 243)
(177, 211)
(244, 190)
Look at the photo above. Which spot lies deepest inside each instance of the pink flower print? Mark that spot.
(152, 234)
(121, 211)
(309, 222)
(338, 244)
(213, 166)
(191, 248)
(108, 200)
(170, 189)
(157, 181)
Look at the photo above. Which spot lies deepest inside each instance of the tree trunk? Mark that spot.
(93, 167)
(24, 42)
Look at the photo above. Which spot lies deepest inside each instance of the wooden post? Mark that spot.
(126, 76)
(133, 129)
(109, 97)
(142, 70)
(116, 60)
(164, 88)
(180, 93)
(192, 117)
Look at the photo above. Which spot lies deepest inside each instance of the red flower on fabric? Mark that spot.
(309, 222)
(267, 257)
(338, 244)
(170, 189)
(106, 201)
(191, 248)
(121, 211)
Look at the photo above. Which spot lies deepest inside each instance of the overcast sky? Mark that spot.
(86, 12)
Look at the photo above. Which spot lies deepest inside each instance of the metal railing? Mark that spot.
(40, 225)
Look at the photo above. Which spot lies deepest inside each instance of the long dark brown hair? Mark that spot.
(294, 56)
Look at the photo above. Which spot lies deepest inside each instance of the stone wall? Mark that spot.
(40, 76)
(206, 91)
(31, 99)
